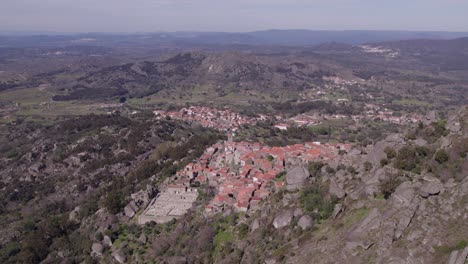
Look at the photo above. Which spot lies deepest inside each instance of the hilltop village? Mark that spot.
(243, 174)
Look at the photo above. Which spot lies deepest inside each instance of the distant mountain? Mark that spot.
(440, 54)
(428, 45)
(292, 38)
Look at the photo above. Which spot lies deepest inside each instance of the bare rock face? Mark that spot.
(430, 117)
(283, 219)
(74, 215)
(305, 222)
(143, 239)
(360, 231)
(336, 191)
(463, 256)
(255, 225)
(296, 177)
(119, 256)
(337, 210)
(458, 257)
(430, 188)
(131, 209)
(377, 152)
(298, 212)
(177, 260)
(107, 241)
(129, 212)
(97, 249)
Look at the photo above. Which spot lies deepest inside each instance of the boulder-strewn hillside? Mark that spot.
(407, 202)
(228, 71)
(61, 182)
(71, 192)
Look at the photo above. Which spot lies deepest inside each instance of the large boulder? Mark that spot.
(305, 222)
(131, 209)
(129, 212)
(458, 257)
(74, 215)
(336, 191)
(255, 225)
(107, 241)
(296, 177)
(283, 219)
(298, 212)
(97, 249)
(430, 188)
(176, 260)
(377, 153)
(142, 239)
(119, 256)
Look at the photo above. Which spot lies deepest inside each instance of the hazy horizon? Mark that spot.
(150, 16)
(51, 33)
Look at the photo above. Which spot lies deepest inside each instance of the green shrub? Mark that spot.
(446, 249)
(406, 159)
(315, 167)
(367, 166)
(389, 185)
(315, 202)
(114, 202)
(383, 162)
(391, 153)
(280, 176)
(441, 156)
(351, 170)
(99, 236)
(341, 167)
(242, 230)
(330, 170)
(9, 250)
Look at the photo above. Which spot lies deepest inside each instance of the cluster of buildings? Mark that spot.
(302, 120)
(209, 117)
(243, 174)
(375, 111)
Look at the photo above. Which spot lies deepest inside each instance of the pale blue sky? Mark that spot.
(235, 15)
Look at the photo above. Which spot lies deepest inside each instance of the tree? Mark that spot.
(114, 202)
(367, 166)
(441, 156)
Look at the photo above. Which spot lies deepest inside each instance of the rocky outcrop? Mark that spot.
(336, 190)
(430, 188)
(337, 210)
(283, 219)
(131, 209)
(107, 241)
(97, 249)
(458, 257)
(74, 215)
(255, 225)
(119, 256)
(296, 177)
(177, 260)
(376, 153)
(305, 222)
(387, 225)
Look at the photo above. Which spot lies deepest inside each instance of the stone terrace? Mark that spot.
(172, 203)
